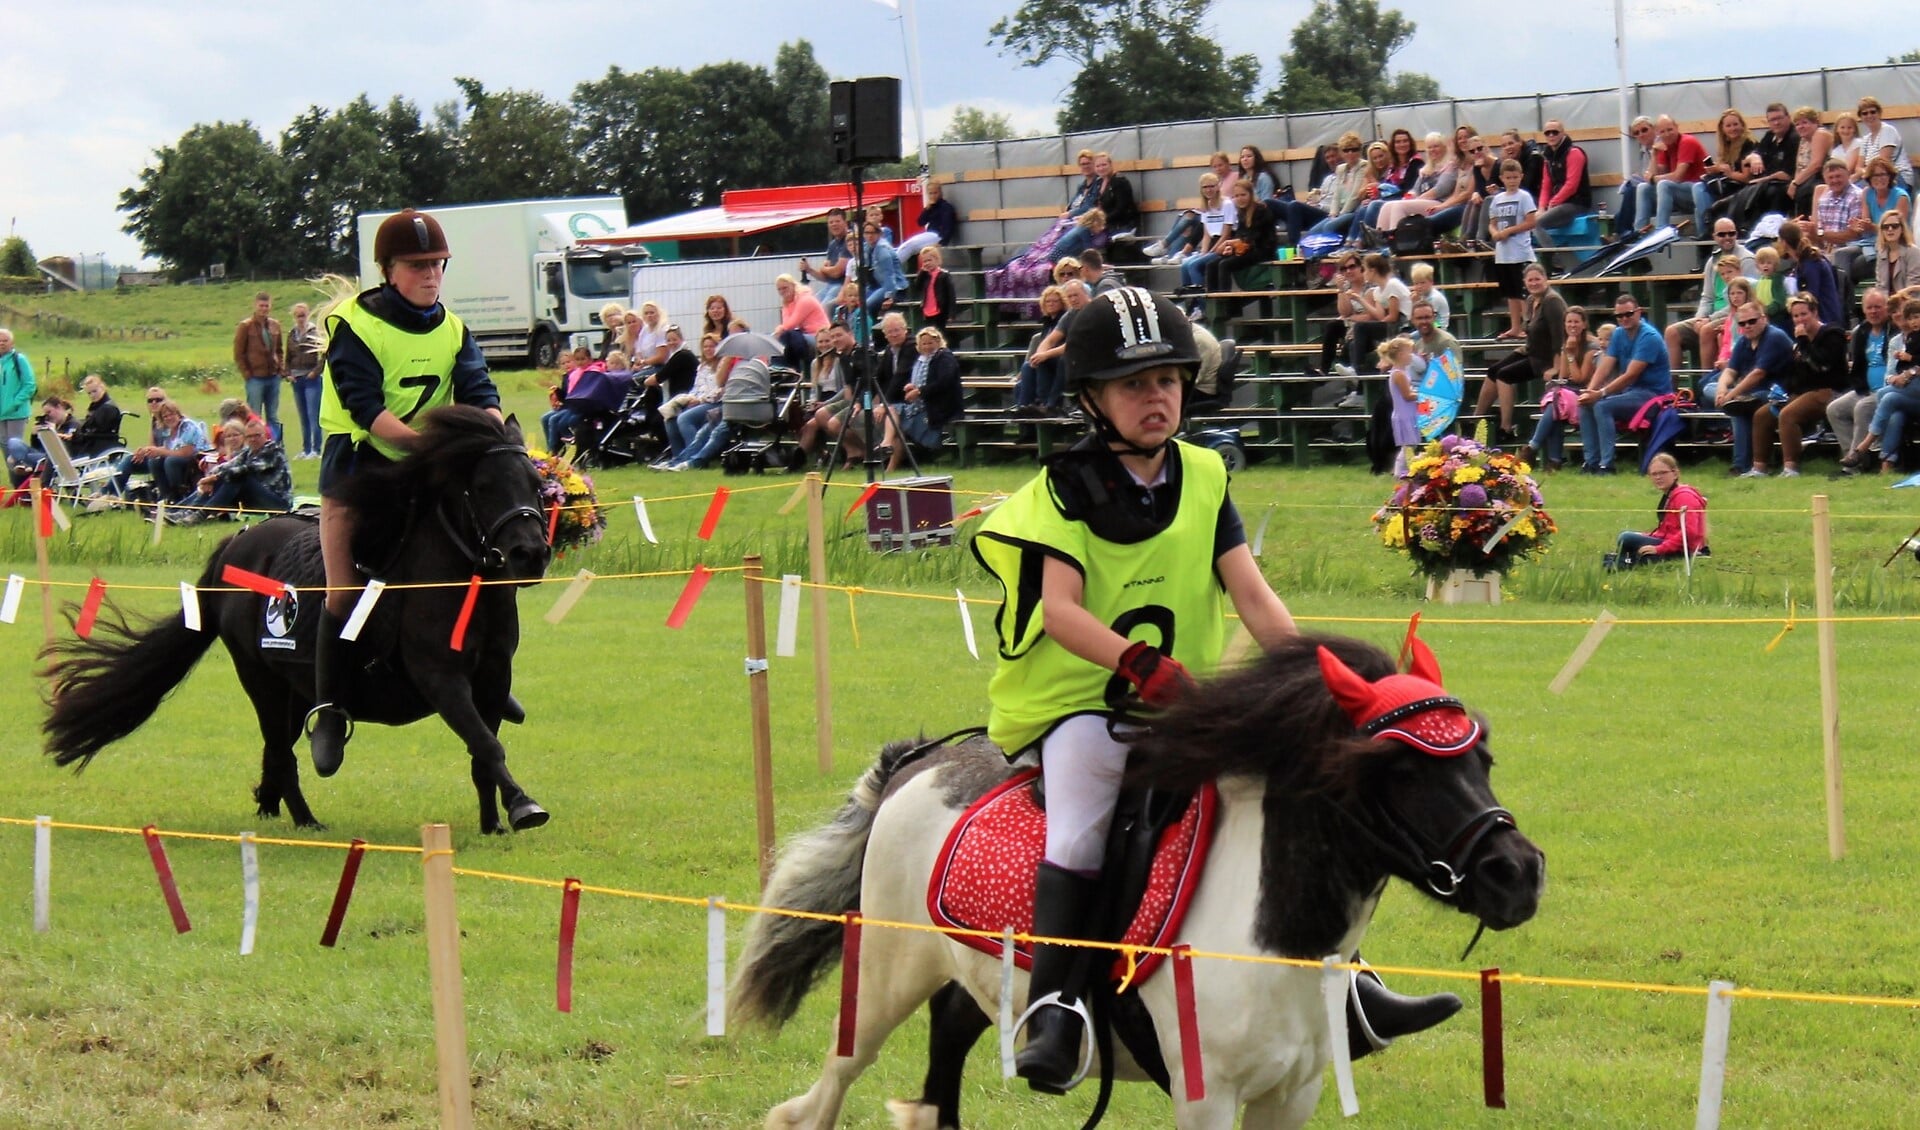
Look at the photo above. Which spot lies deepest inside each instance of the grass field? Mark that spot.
(1676, 789)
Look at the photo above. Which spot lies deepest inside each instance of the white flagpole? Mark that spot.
(910, 29)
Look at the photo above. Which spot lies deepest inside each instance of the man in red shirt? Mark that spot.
(1678, 160)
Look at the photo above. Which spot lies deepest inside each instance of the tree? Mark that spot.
(422, 152)
(16, 258)
(800, 90)
(973, 124)
(628, 127)
(1140, 60)
(1905, 57)
(511, 145)
(1339, 59)
(218, 195)
(338, 165)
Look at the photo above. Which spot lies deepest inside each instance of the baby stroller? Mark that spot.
(630, 432)
(761, 404)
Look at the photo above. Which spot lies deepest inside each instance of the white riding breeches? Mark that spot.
(1082, 765)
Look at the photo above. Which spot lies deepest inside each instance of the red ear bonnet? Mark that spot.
(1411, 708)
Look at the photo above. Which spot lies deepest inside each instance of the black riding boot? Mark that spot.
(1063, 903)
(328, 724)
(1376, 1015)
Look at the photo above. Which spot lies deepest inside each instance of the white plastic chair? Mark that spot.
(75, 479)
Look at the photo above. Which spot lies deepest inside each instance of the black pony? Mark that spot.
(465, 504)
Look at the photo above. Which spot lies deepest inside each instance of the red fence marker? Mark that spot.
(569, 918)
(11, 495)
(1493, 1052)
(356, 851)
(1406, 645)
(872, 489)
(553, 522)
(1190, 1065)
(46, 514)
(241, 578)
(849, 985)
(459, 640)
(90, 608)
(689, 596)
(158, 851)
(714, 508)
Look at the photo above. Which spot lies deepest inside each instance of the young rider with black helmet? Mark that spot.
(1113, 561)
(393, 352)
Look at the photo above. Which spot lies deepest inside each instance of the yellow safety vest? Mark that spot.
(1162, 590)
(416, 368)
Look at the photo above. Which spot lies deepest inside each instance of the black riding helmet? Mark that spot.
(1120, 333)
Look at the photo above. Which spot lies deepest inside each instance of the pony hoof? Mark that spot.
(910, 1115)
(528, 815)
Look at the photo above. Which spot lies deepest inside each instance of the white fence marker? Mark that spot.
(1335, 984)
(716, 967)
(575, 589)
(190, 606)
(646, 527)
(250, 883)
(966, 624)
(42, 874)
(1006, 1003)
(10, 604)
(60, 518)
(784, 637)
(362, 609)
(1260, 535)
(1713, 1056)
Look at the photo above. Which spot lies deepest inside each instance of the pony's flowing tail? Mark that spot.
(104, 687)
(817, 872)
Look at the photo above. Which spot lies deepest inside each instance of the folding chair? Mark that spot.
(75, 479)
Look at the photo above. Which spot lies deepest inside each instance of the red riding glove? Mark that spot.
(1161, 679)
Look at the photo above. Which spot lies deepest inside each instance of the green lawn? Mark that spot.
(1676, 789)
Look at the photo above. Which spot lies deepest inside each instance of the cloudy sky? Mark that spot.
(89, 88)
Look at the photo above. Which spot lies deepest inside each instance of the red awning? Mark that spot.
(753, 210)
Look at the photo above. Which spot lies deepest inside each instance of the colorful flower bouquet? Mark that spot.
(581, 520)
(1465, 506)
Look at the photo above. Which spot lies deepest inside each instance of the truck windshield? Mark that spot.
(599, 278)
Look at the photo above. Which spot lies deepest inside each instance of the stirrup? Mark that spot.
(312, 721)
(1078, 1008)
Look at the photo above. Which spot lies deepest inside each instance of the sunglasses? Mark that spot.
(1725, 234)
(1551, 133)
(154, 400)
(1744, 322)
(1890, 227)
(1349, 149)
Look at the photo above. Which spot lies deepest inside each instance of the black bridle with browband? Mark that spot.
(485, 556)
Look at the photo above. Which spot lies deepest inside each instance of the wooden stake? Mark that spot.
(817, 566)
(1829, 677)
(762, 714)
(40, 555)
(1602, 624)
(443, 965)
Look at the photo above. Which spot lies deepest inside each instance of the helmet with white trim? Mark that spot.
(1124, 331)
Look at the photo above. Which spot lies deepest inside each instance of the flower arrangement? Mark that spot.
(581, 519)
(1465, 506)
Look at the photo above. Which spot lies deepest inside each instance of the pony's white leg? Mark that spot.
(1281, 1109)
(899, 971)
(1215, 1112)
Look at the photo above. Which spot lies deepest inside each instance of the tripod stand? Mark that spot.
(862, 383)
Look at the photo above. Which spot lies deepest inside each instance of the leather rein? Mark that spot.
(477, 543)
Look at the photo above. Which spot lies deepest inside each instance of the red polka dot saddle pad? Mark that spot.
(983, 879)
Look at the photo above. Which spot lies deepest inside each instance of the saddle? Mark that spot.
(984, 877)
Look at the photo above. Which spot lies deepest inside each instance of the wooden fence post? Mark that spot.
(443, 965)
(762, 715)
(817, 566)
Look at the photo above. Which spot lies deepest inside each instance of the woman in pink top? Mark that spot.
(1682, 529)
(801, 317)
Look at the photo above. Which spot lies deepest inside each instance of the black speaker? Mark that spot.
(864, 120)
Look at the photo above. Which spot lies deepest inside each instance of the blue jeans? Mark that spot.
(306, 397)
(708, 443)
(1550, 438)
(555, 425)
(1627, 209)
(241, 490)
(1446, 219)
(1038, 384)
(1630, 546)
(1743, 421)
(1193, 270)
(1897, 403)
(1662, 198)
(263, 396)
(682, 429)
(1298, 217)
(1600, 424)
(1333, 225)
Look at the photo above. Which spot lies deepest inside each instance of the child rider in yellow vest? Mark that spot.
(393, 352)
(1114, 561)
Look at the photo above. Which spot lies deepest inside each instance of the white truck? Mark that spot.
(521, 277)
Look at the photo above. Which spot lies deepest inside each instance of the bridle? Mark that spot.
(1446, 866)
(479, 549)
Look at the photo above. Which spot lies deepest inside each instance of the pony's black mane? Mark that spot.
(385, 497)
(1276, 721)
